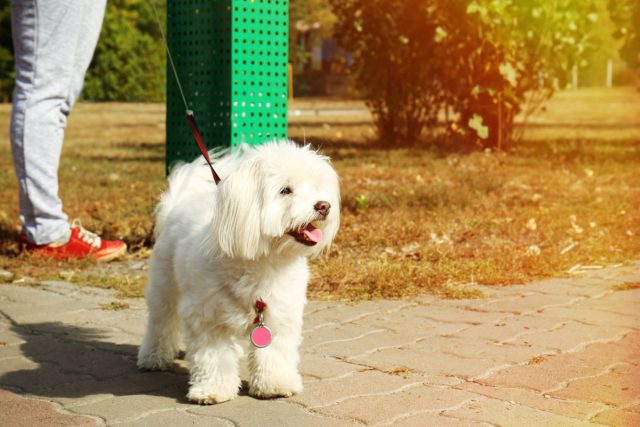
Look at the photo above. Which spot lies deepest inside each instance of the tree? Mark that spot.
(308, 20)
(393, 43)
(129, 62)
(485, 59)
(507, 55)
(626, 15)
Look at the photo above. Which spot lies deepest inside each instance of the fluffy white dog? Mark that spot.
(220, 249)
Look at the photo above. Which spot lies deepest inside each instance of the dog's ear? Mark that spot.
(236, 224)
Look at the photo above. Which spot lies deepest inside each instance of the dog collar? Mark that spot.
(261, 335)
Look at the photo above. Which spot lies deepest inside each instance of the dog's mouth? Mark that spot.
(308, 235)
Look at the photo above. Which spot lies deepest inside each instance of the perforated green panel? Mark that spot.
(231, 57)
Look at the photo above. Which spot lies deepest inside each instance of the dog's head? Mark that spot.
(277, 198)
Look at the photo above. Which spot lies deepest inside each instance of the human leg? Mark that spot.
(54, 41)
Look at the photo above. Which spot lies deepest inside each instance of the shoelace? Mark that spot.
(87, 236)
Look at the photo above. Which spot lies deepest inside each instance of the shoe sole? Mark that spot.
(112, 255)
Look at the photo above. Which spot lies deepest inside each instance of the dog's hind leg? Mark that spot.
(162, 338)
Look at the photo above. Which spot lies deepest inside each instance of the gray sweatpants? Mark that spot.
(54, 41)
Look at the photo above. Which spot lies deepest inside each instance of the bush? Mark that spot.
(626, 15)
(392, 42)
(485, 60)
(7, 74)
(129, 62)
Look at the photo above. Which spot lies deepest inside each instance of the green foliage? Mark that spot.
(6, 52)
(505, 56)
(309, 21)
(626, 15)
(393, 43)
(484, 59)
(129, 62)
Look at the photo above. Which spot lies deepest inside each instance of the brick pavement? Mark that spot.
(561, 352)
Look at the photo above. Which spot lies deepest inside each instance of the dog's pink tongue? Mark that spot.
(312, 233)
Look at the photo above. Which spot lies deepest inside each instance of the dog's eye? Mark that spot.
(286, 190)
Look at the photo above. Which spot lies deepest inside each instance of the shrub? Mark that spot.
(392, 42)
(486, 60)
(129, 62)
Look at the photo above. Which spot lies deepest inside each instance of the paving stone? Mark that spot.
(525, 397)
(60, 287)
(549, 372)
(619, 386)
(372, 409)
(422, 419)
(585, 287)
(368, 342)
(85, 359)
(78, 393)
(474, 348)
(338, 333)
(323, 393)
(499, 412)
(402, 324)
(509, 327)
(569, 336)
(346, 313)
(313, 307)
(12, 364)
(580, 313)
(386, 362)
(529, 303)
(36, 378)
(176, 417)
(444, 313)
(620, 418)
(123, 408)
(324, 367)
(35, 296)
(278, 412)
(18, 411)
(429, 361)
(620, 302)
(9, 337)
(131, 325)
(27, 313)
(10, 351)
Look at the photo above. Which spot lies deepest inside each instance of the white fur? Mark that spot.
(220, 248)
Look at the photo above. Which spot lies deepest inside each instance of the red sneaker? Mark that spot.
(81, 244)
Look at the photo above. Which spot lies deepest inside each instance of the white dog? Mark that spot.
(220, 249)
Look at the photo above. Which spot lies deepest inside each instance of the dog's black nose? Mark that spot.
(322, 208)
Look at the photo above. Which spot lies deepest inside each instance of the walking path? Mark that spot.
(561, 352)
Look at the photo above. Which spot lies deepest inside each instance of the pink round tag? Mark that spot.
(261, 336)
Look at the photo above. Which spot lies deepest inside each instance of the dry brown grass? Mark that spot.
(414, 220)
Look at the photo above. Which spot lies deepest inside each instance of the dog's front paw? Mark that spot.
(265, 388)
(207, 395)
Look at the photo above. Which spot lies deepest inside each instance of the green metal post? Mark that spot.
(231, 57)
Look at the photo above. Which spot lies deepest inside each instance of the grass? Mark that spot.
(114, 306)
(414, 219)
